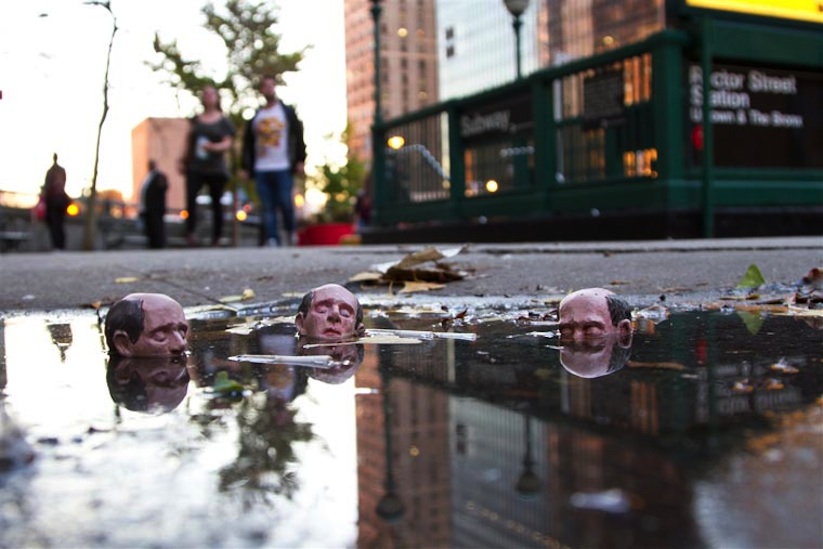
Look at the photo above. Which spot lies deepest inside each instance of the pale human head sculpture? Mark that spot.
(146, 325)
(595, 332)
(330, 313)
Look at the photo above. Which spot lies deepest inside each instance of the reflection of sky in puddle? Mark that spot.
(492, 442)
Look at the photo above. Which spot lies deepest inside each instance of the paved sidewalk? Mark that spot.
(683, 271)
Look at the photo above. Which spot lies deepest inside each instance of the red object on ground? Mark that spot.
(326, 234)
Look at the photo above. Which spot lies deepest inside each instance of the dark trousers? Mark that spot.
(275, 192)
(55, 219)
(217, 184)
(155, 229)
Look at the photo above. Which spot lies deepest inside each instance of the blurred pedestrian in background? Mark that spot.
(204, 163)
(273, 152)
(54, 192)
(153, 206)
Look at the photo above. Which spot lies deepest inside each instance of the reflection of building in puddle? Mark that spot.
(570, 461)
(403, 451)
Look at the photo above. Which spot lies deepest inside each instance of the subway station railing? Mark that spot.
(609, 133)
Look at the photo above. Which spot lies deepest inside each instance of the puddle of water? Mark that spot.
(710, 435)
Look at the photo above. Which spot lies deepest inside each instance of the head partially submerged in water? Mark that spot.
(595, 332)
(330, 313)
(146, 325)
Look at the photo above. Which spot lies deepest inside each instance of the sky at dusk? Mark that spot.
(52, 62)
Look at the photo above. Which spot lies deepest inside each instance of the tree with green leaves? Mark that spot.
(247, 29)
(340, 184)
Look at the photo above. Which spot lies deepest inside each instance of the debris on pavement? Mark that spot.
(418, 271)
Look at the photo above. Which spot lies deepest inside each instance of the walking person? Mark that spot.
(153, 206)
(273, 152)
(54, 191)
(204, 164)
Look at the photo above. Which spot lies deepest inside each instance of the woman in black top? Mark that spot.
(210, 136)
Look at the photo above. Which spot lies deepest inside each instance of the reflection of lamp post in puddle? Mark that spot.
(390, 507)
(528, 483)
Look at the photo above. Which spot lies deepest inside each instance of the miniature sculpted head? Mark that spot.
(595, 332)
(330, 313)
(146, 325)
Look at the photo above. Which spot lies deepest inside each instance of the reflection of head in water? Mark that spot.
(596, 356)
(330, 313)
(595, 332)
(156, 384)
(146, 324)
(350, 356)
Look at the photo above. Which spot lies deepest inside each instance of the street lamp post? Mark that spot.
(376, 10)
(516, 8)
(378, 146)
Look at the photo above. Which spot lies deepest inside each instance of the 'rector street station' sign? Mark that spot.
(761, 117)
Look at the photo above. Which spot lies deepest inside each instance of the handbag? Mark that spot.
(40, 208)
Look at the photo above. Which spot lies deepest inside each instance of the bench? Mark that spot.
(12, 240)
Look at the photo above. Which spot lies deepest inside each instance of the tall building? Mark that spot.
(164, 140)
(477, 45)
(408, 56)
(580, 28)
(477, 39)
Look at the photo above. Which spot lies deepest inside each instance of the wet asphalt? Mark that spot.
(678, 273)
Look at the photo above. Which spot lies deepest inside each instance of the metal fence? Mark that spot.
(608, 133)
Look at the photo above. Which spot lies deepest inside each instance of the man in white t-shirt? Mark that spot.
(273, 152)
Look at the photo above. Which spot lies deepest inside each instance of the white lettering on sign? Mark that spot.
(733, 94)
(483, 123)
(759, 82)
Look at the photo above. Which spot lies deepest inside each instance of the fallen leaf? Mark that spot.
(771, 384)
(783, 367)
(814, 278)
(798, 311)
(653, 313)
(427, 254)
(752, 279)
(411, 286)
(224, 384)
(743, 386)
(441, 274)
(125, 279)
(752, 321)
(246, 295)
(366, 276)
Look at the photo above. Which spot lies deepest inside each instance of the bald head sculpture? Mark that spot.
(595, 332)
(330, 313)
(146, 325)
